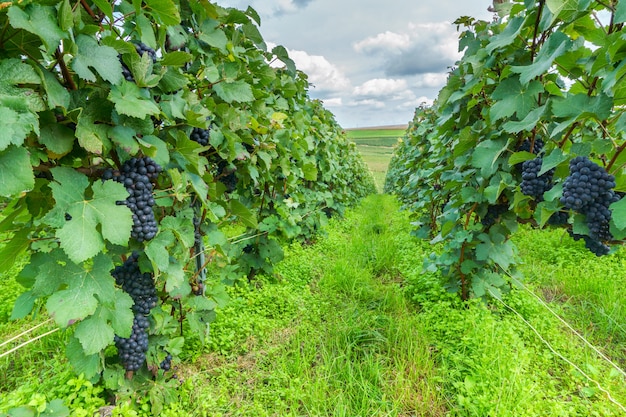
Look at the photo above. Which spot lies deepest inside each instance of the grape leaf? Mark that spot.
(557, 45)
(88, 365)
(17, 121)
(101, 58)
(620, 12)
(12, 249)
(238, 91)
(82, 283)
(133, 101)
(79, 236)
(619, 213)
(164, 11)
(94, 334)
(39, 20)
(23, 305)
(513, 97)
(16, 173)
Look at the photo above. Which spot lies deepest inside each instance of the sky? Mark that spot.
(371, 62)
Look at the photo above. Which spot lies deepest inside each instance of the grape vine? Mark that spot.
(528, 129)
(153, 128)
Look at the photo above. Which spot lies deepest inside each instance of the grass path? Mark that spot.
(351, 326)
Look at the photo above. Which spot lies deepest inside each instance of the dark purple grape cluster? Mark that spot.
(588, 190)
(166, 364)
(132, 350)
(200, 136)
(594, 246)
(533, 184)
(558, 219)
(141, 48)
(526, 146)
(140, 287)
(136, 175)
(227, 176)
(197, 233)
(493, 214)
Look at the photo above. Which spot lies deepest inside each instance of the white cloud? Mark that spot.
(431, 80)
(421, 48)
(388, 41)
(381, 87)
(333, 102)
(324, 76)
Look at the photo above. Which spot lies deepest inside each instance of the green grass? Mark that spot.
(351, 326)
(376, 147)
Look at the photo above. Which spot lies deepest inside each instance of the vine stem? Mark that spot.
(537, 21)
(64, 70)
(615, 156)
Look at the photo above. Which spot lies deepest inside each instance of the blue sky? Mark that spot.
(371, 62)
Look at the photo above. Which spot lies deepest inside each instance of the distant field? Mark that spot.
(376, 146)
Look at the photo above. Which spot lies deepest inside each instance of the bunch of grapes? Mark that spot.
(200, 136)
(140, 287)
(132, 350)
(537, 146)
(558, 219)
(141, 48)
(533, 184)
(588, 190)
(136, 175)
(166, 364)
(493, 213)
(227, 176)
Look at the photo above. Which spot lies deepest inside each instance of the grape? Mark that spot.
(139, 285)
(558, 219)
(200, 136)
(533, 184)
(588, 190)
(132, 350)
(141, 48)
(136, 175)
(536, 149)
(166, 364)
(227, 176)
(594, 246)
(493, 214)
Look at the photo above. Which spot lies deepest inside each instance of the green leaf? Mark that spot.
(12, 249)
(39, 20)
(618, 210)
(23, 305)
(164, 12)
(310, 171)
(133, 101)
(246, 216)
(72, 305)
(58, 138)
(514, 98)
(212, 34)
(88, 365)
(508, 35)
(17, 122)
(620, 12)
(238, 91)
(558, 43)
(56, 94)
(486, 155)
(554, 158)
(101, 58)
(94, 334)
(529, 122)
(106, 8)
(157, 249)
(79, 236)
(16, 172)
(578, 106)
(177, 58)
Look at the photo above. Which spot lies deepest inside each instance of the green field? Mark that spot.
(376, 146)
